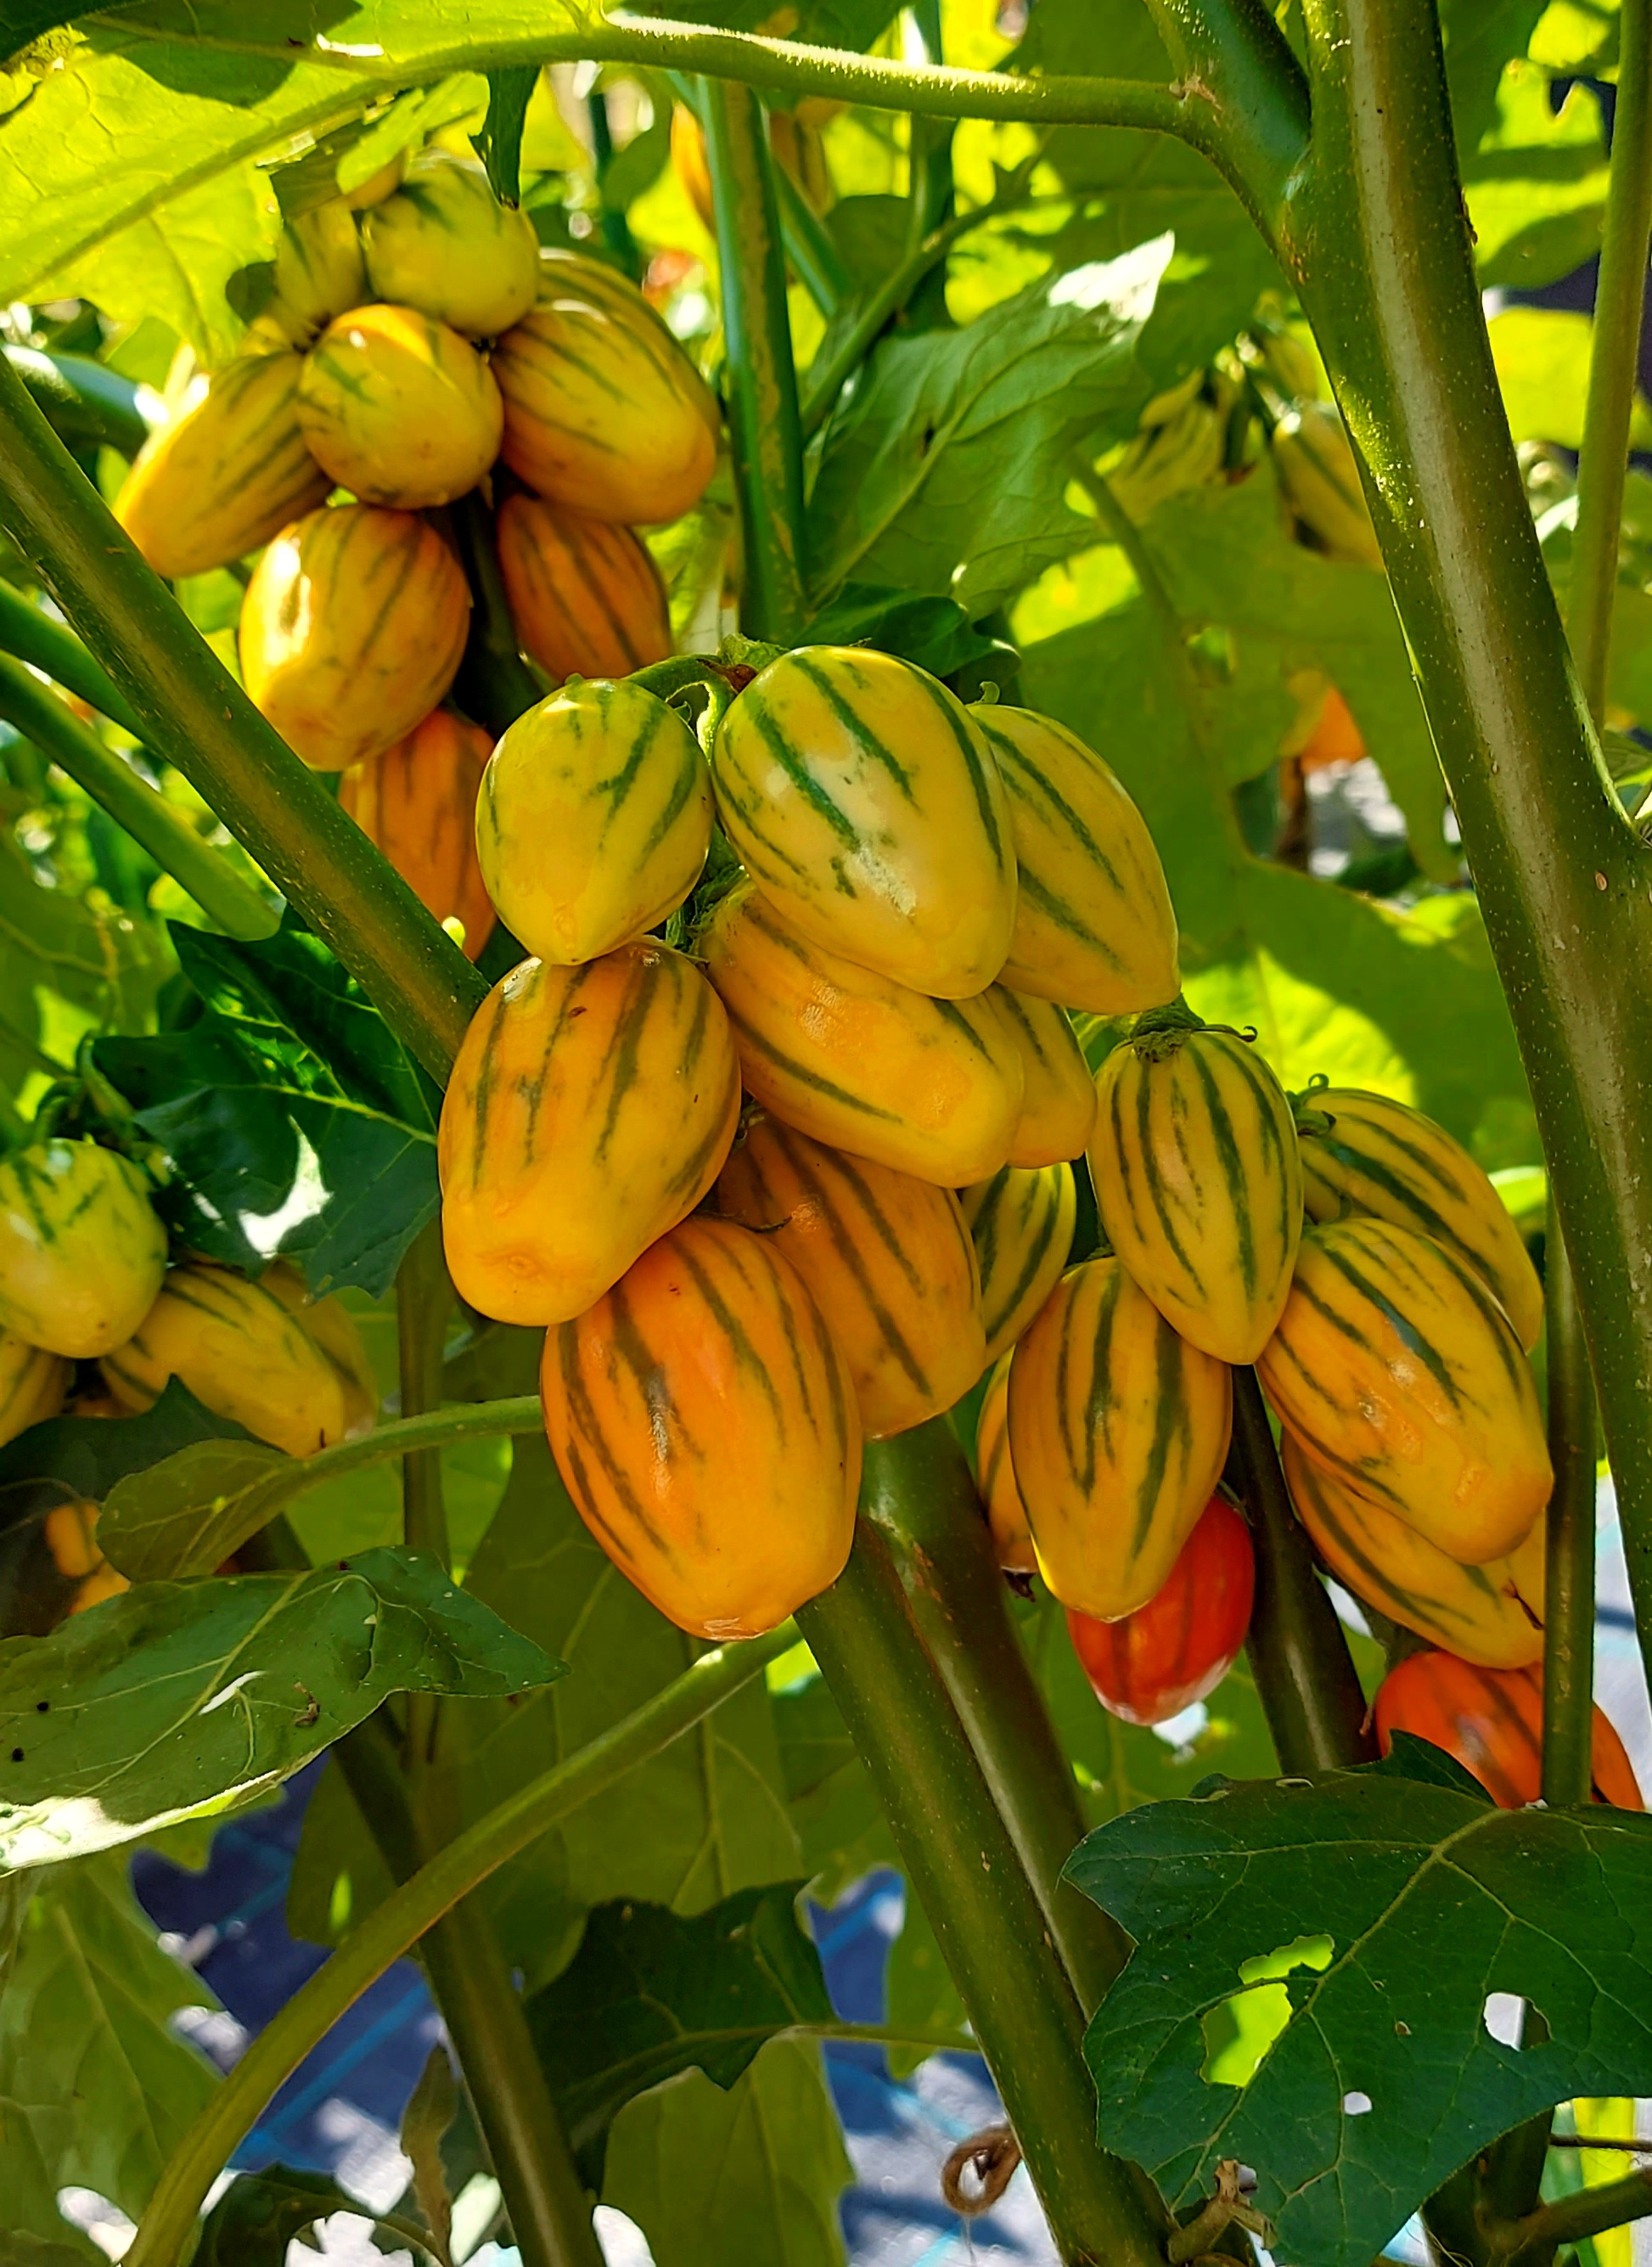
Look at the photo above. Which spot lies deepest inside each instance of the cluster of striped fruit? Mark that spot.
(913, 886)
(408, 347)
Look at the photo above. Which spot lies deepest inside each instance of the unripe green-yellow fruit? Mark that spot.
(320, 272)
(444, 244)
(377, 187)
(33, 1385)
(399, 408)
(81, 1252)
(1319, 481)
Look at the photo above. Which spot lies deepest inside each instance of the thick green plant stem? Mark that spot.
(194, 716)
(761, 381)
(957, 1853)
(1231, 57)
(27, 631)
(394, 1926)
(1305, 1675)
(1378, 243)
(154, 823)
(1589, 2211)
(918, 1491)
(88, 405)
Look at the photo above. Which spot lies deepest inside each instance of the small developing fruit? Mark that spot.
(1021, 1223)
(399, 408)
(585, 595)
(1149, 1666)
(443, 243)
(82, 1253)
(995, 1478)
(417, 801)
(318, 270)
(33, 1385)
(1319, 481)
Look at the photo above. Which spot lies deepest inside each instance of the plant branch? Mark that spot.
(88, 404)
(29, 632)
(1589, 2211)
(813, 257)
(1232, 56)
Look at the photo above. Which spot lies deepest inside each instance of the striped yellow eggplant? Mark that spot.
(1021, 1222)
(1401, 1377)
(221, 480)
(352, 629)
(33, 1385)
(240, 1353)
(866, 805)
(82, 1253)
(888, 1258)
(589, 1110)
(593, 820)
(585, 595)
(1491, 1615)
(1094, 927)
(996, 1477)
(1058, 1101)
(417, 801)
(1199, 1183)
(702, 1417)
(332, 1326)
(931, 1087)
(443, 243)
(320, 272)
(1365, 1152)
(399, 408)
(604, 411)
(1118, 1431)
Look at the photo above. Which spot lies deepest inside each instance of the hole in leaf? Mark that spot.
(1356, 2104)
(1504, 2016)
(1239, 2031)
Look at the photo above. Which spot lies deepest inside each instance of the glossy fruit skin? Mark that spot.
(332, 1327)
(931, 1087)
(1119, 1430)
(1490, 1615)
(1058, 1101)
(417, 801)
(399, 408)
(593, 820)
(1400, 1376)
(320, 272)
(240, 1353)
(865, 803)
(1021, 1222)
(227, 476)
(887, 1258)
(1382, 1157)
(1094, 927)
(1491, 1720)
(996, 1477)
(443, 243)
(1320, 482)
(585, 595)
(33, 1385)
(1199, 1184)
(702, 1418)
(352, 628)
(589, 1110)
(604, 411)
(82, 1253)
(1150, 1666)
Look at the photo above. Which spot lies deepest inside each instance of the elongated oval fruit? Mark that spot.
(1094, 926)
(417, 801)
(1058, 1101)
(589, 1112)
(1151, 1665)
(443, 243)
(1199, 1184)
(1021, 1222)
(352, 628)
(888, 1258)
(594, 819)
(995, 1478)
(1319, 481)
(242, 1356)
(399, 408)
(33, 1385)
(931, 1087)
(1400, 1376)
(1364, 1153)
(585, 595)
(604, 411)
(1487, 1614)
(221, 480)
(1119, 1430)
(865, 803)
(1490, 1720)
(330, 1323)
(320, 272)
(702, 1417)
(82, 1253)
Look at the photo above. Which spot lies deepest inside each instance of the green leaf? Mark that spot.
(839, 1820)
(431, 2108)
(409, 121)
(651, 1993)
(1482, 38)
(298, 1122)
(499, 145)
(1537, 185)
(87, 1456)
(1432, 1899)
(104, 964)
(96, 2089)
(1542, 357)
(753, 2174)
(945, 471)
(177, 1696)
(260, 2214)
(187, 1515)
(936, 634)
